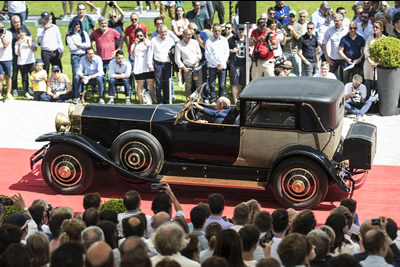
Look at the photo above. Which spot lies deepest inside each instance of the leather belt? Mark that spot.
(162, 63)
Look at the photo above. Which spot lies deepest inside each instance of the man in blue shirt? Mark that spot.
(222, 108)
(282, 12)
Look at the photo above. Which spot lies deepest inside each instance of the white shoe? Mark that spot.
(111, 101)
(98, 12)
(10, 97)
(101, 101)
(127, 101)
(76, 100)
(15, 92)
(28, 96)
(206, 101)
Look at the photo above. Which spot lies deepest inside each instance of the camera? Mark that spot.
(376, 221)
(197, 32)
(357, 97)
(111, 3)
(6, 201)
(1, 30)
(157, 187)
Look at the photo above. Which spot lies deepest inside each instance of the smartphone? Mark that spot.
(157, 187)
(6, 201)
(376, 221)
(355, 238)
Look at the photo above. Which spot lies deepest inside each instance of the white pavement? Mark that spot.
(23, 121)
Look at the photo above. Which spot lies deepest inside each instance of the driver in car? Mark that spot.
(218, 115)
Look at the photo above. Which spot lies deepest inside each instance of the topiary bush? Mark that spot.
(386, 52)
(116, 205)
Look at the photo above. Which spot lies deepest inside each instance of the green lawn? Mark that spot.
(37, 7)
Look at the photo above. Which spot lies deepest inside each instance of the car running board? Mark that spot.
(210, 182)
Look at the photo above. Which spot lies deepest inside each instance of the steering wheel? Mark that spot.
(195, 115)
(194, 97)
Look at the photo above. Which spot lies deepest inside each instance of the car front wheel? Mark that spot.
(138, 152)
(67, 170)
(299, 183)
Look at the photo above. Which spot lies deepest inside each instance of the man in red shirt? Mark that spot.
(104, 38)
(264, 43)
(129, 37)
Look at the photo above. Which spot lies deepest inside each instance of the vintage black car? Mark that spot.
(285, 133)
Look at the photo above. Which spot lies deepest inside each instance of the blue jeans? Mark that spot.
(309, 69)
(41, 96)
(162, 73)
(21, 15)
(356, 109)
(99, 80)
(127, 86)
(132, 60)
(74, 65)
(213, 81)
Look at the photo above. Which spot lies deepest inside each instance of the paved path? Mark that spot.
(23, 121)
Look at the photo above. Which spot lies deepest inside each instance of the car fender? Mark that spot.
(90, 146)
(313, 154)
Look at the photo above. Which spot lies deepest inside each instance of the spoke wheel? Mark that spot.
(67, 170)
(299, 183)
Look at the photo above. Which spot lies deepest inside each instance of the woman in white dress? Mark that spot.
(141, 70)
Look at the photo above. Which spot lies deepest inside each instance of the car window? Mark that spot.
(264, 114)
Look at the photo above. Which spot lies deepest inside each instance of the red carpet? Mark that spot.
(378, 197)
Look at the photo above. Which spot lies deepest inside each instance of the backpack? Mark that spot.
(261, 50)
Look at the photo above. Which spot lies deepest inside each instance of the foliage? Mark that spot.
(385, 51)
(8, 210)
(116, 205)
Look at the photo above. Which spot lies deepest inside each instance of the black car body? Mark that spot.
(285, 133)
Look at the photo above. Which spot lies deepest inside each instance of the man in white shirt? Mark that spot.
(49, 40)
(318, 17)
(159, 50)
(187, 57)
(324, 72)
(17, 8)
(5, 59)
(342, 11)
(355, 96)
(333, 36)
(280, 224)
(120, 70)
(217, 54)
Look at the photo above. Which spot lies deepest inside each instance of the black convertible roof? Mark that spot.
(294, 89)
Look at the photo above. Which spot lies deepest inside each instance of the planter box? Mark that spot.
(389, 89)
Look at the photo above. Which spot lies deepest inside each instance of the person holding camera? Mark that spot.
(264, 42)
(58, 86)
(355, 97)
(114, 22)
(5, 59)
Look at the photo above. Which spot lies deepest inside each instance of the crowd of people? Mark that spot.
(41, 235)
(284, 42)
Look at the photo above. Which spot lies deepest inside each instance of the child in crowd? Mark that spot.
(38, 80)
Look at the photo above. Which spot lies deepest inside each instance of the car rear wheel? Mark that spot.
(299, 183)
(67, 170)
(138, 152)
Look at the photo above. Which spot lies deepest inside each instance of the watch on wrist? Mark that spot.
(25, 209)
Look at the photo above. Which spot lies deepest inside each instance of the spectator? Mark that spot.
(367, 5)
(321, 243)
(38, 243)
(49, 39)
(90, 69)
(308, 52)
(71, 230)
(16, 255)
(115, 22)
(229, 246)
(109, 229)
(349, 220)
(77, 40)
(104, 38)
(264, 43)
(249, 235)
(17, 8)
(58, 86)
(70, 254)
(351, 49)
(254, 209)
(167, 263)
(9, 234)
(211, 235)
(197, 15)
(229, 31)
(280, 224)
(215, 261)
(55, 223)
(87, 21)
(365, 28)
(141, 69)
(198, 216)
(207, 28)
(351, 204)
(344, 260)
(292, 250)
(270, 262)
(219, 7)
(240, 216)
(120, 70)
(324, 72)
(16, 24)
(158, 22)
(187, 57)
(280, 34)
(6, 57)
(332, 38)
(263, 221)
(109, 215)
(37, 214)
(137, 257)
(321, 33)
(180, 22)
(385, 19)
(282, 12)
(271, 15)
(302, 21)
(71, 9)
(356, 101)
(160, 47)
(293, 34)
(340, 245)
(90, 217)
(287, 68)
(342, 11)
(358, 14)
(237, 62)
(279, 72)
(99, 254)
(170, 5)
(376, 246)
(192, 250)
(396, 26)
(21, 221)
(168, 240)
(25, 49)
(393, 9)
(303, 223)
(216, 203)
(319, 16)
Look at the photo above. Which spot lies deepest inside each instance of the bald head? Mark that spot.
(375, 243)
(132, 243)
(159, 219)
(99, 254)
(192, 26)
